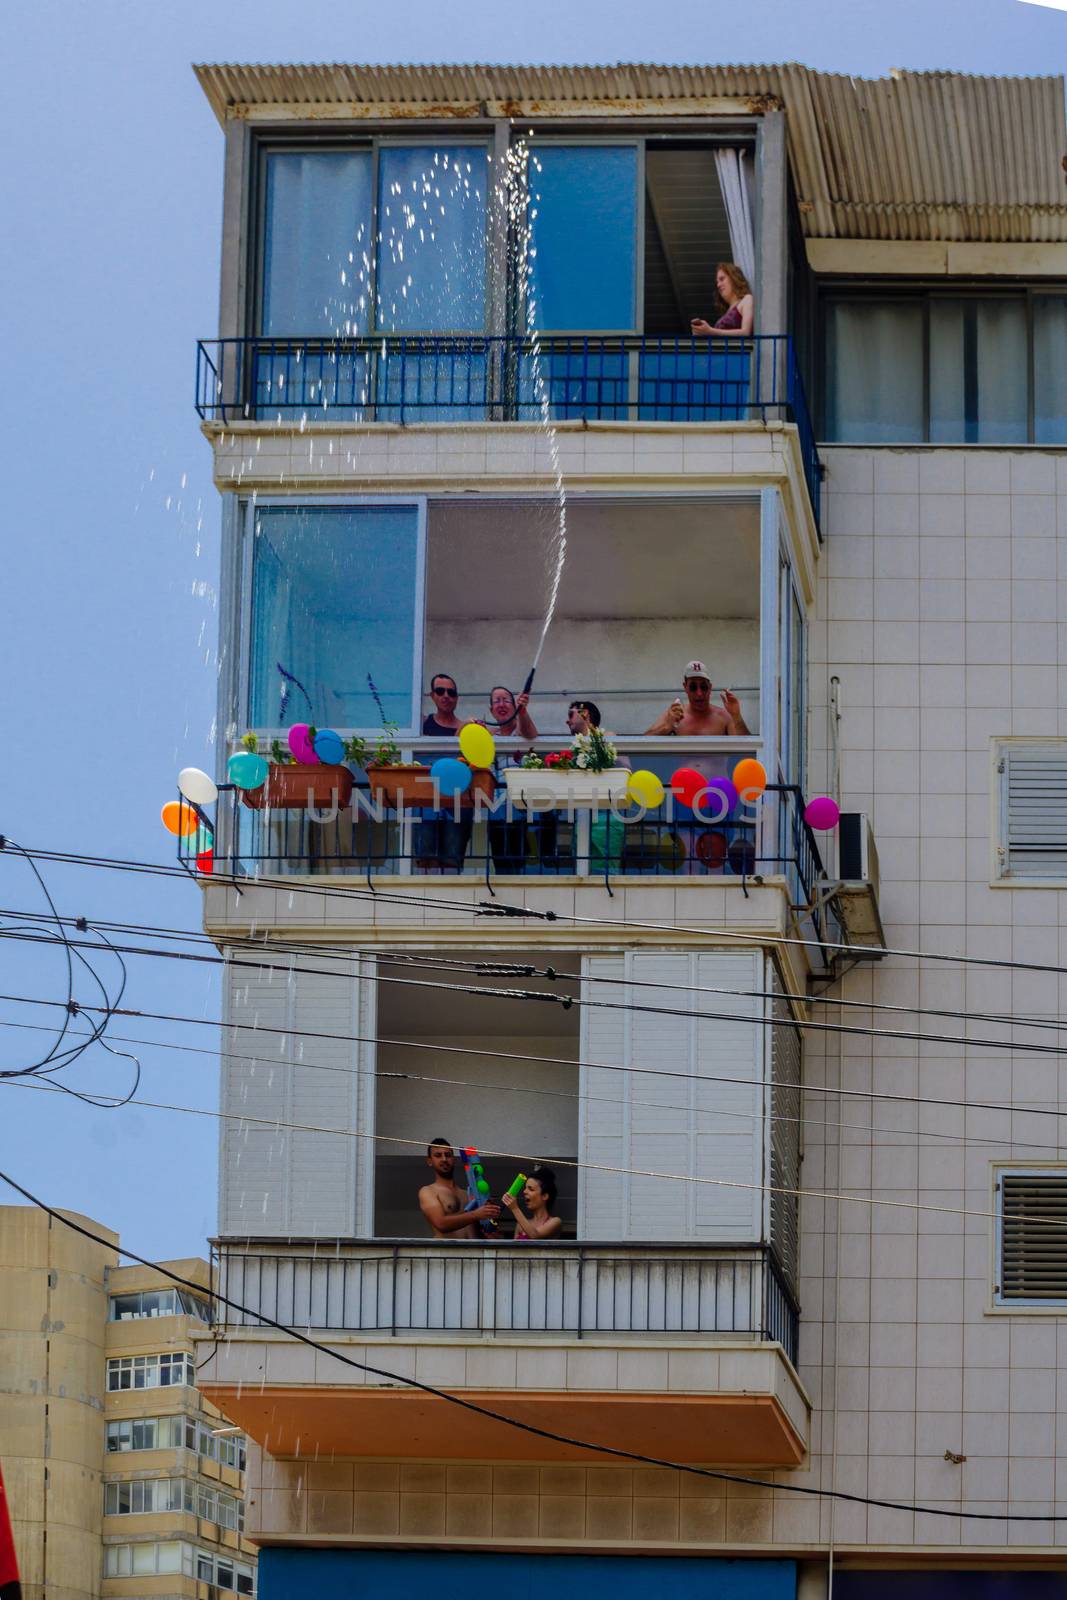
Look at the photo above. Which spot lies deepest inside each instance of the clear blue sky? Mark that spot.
(112, 202)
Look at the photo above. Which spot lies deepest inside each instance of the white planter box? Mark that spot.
(542, 789)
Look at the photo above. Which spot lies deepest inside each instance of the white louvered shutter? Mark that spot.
(1032, 1218)
(1033, 810)
(700, 1121)
(313, 1179)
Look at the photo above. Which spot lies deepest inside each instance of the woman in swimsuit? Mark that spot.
(735, 296)
(539, 1196)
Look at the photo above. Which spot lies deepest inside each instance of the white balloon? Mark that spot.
(197, 786)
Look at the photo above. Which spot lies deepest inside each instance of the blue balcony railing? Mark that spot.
(471, 378)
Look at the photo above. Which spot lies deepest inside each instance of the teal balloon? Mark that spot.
(329, 747)
(204, 841)
(247, 771)
(452, 777)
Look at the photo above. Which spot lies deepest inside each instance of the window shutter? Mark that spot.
(1033, 1237)
(784, 1137)
(1033, 810)
(703, 1120)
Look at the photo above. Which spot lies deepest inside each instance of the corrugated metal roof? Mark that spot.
(917, 155)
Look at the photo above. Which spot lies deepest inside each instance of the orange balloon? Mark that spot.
(749, 778)
(178, 818)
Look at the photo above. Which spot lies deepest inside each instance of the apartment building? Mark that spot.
(123, 1480)
(798, 1244)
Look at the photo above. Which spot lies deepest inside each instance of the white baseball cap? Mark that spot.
(696, 669)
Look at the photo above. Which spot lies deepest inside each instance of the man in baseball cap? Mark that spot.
(700, 716)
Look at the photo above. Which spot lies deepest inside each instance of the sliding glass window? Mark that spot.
(431, 239)
(980, 368)
(316, 243)
(583, 233)
(336, 622)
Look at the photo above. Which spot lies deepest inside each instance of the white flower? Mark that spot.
(583, 759)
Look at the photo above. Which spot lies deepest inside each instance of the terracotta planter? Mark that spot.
(405, 788)
(296, 787)
(545, 789)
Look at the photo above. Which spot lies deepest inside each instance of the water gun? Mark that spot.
(477, 1186)
(517, 1187)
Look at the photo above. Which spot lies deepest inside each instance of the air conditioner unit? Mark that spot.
(858, 882)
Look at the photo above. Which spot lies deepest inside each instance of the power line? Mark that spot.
(501, 1417)
(500, 908)
(392, 1076)
(278, 1123)
(566, 1001)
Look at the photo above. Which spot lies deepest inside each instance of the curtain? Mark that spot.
(735, 180)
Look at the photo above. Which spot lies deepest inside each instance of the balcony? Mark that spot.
(411, 379)
(683, 1350)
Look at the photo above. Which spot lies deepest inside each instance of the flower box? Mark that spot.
(294, 786)
(548, 789)
(407, 788)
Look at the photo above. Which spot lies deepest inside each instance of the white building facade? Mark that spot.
(804, 1239)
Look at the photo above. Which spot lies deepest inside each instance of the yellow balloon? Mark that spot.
(477, 745)
(646, 789)
(749, 778)
(178, 818)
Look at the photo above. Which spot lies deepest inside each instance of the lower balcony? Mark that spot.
(685, 1352)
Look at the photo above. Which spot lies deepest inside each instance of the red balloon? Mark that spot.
(205, 862)
(688, 785)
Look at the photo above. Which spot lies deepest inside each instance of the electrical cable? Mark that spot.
(392, 1076)
(500, 908)
(566, 1001)
(514, 1422)
(278, 1123)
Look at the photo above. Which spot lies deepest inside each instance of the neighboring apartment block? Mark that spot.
(123, 1480)
(457, 303)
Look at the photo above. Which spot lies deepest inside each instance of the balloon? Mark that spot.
(300, 745)
(329, 747)
(718, 799)
(822, 813)
(750, 779)
(205, 840)
(646, 789)
(247, 771)
(197, 786)
(178, 818)
(205, 862)
(452, 777)
(477, 744)
(742, 857)
(688, 784)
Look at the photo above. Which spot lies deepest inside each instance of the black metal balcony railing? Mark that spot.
(369, 839)
(475, 378)
(398, 1289)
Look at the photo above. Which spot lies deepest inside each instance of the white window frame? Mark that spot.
(1013, 1307)
(999, 875)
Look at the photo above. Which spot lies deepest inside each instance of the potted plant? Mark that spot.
(406, 785)
(585, 775)
(293, 785)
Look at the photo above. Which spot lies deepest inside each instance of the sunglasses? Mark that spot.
(449, 694)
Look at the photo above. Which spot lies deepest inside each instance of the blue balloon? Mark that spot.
(452, 777)
(247, 771)
(329, 747)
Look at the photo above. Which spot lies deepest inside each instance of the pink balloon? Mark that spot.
(300, 745)
(822, 813)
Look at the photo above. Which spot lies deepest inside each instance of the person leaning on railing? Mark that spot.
(739, 307)
(699, 717)
(511, 717)
(441, 839)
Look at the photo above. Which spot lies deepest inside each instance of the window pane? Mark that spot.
(169, 1557)
(1050, 369)
(874, 373)
(978, 371)
(583, 237)
(316, 235)
(431, 244)
(144, 1558)
(333, 601)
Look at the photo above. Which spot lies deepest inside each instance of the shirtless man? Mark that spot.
(441, 1202)
(700, 716)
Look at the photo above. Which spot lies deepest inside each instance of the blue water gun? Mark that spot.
(477, 1186)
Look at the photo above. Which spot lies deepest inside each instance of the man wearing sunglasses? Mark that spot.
(700, 716)
(441, 839)
(442, 721)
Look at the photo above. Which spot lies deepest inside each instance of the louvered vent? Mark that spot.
(1033, 1237)
(1034, 810)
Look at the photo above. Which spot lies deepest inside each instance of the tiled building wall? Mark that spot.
(942, 613)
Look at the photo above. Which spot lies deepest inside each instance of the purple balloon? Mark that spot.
(822, 813)
(300, 745)
(716, 800)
